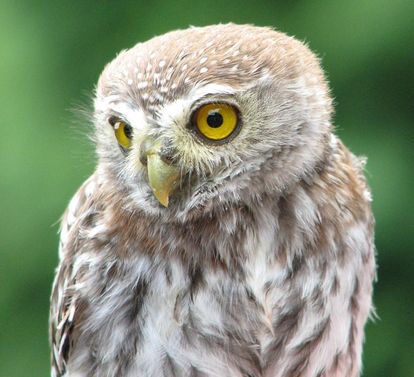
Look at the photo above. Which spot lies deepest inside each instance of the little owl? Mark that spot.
(226, 231)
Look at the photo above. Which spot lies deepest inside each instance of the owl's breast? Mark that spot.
(229, 297)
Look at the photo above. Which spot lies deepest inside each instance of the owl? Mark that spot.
(226, 231)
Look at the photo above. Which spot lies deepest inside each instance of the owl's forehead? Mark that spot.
(170, 66)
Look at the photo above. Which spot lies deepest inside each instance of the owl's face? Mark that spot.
(218, 114)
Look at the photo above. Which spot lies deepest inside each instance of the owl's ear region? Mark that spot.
(216, 123)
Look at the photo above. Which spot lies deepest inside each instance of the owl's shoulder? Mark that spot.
(341, 187)
(65, 308)
(82, 205)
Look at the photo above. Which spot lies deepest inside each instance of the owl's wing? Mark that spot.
(66, 309)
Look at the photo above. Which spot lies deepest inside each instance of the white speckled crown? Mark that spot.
(168, 66)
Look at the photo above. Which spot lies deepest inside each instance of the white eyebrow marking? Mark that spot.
(213, 89)
(132, 115)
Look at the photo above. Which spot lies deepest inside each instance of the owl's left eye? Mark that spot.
(216, 122)
(123, 133)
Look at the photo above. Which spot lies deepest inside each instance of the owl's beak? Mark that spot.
(163, 176)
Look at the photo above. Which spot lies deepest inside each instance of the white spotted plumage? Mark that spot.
(262, 264)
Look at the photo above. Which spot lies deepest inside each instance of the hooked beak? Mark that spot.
(163, 176)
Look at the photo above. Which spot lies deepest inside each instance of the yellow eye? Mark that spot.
(216, 121)
(123, 133)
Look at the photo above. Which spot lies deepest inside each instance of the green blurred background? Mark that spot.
(51, 54)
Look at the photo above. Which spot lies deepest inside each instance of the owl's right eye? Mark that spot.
(123, 133)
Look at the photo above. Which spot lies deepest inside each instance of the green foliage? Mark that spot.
(51, 55)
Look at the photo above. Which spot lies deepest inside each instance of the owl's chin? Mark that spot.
(184, 202)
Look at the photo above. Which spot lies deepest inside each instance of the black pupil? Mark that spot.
(214, 119)
(128, 131)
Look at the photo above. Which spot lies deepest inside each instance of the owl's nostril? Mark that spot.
(167, 156)
(149, 146)
(143, 158)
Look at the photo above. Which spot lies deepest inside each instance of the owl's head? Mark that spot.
(211, 116)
